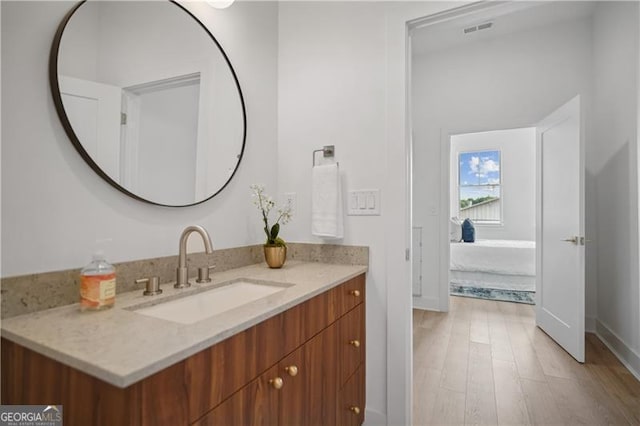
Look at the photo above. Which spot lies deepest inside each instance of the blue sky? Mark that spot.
(479, 168)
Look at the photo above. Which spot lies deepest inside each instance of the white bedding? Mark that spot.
(512, 257)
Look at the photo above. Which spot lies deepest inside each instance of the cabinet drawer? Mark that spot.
(351, 345)
(214, 374)
(351, 400)
(349, 294)
(308, 396)
(254, 404)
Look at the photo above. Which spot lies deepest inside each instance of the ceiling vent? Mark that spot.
(478, 27)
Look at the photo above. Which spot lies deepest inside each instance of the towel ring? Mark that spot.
(328, 151)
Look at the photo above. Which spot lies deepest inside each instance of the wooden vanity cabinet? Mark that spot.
(300, 367)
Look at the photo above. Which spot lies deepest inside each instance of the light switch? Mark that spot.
(364, 202)
(353, 201)
(371, 201)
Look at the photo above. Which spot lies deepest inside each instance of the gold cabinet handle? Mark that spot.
(355, 293)
(355, 343)
(292, 370)
(354, 409)
(277, 383)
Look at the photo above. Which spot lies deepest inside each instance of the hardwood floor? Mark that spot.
(486, 363)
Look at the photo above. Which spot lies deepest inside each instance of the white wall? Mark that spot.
(331, 91)
(54, 207)
(615, 172)
(506, 82)
(518, 180)
(342, 81)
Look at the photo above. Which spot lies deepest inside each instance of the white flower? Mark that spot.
(265, 204)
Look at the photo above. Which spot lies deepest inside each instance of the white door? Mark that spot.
(93, 110)
(560, 231)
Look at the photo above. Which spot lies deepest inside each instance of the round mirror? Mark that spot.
(149, 99)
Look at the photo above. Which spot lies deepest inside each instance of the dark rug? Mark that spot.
(517, 296)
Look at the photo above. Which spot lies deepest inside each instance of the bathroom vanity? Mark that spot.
(295, 357)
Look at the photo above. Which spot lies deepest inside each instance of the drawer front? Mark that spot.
(352, 342)
(214, 374)
(350, 294)
(308, 396)
(351, 400)
(254, 404)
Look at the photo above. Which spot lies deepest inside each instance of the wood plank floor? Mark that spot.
(486, 363)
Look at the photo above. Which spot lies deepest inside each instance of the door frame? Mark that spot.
(445, 204)
(401, 19)
(442, 302)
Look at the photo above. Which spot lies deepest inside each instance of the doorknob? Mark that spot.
(573, 240)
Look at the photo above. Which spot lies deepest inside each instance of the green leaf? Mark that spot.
(274, 231)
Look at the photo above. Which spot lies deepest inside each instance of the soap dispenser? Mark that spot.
(97, 284)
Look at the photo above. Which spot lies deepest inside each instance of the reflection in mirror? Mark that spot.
(153, 105)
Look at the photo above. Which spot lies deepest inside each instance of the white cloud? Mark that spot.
(474, 164)
(493, 181)
(489, 165)
(482, 166)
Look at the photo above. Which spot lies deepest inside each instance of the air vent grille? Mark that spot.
(478, 27)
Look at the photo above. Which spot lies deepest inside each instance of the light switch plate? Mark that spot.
(291, 199)
(363, 202)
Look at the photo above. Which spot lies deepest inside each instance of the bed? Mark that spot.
(494, 269)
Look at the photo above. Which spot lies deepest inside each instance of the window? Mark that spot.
(479, 186)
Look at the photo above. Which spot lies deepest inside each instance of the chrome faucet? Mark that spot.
(182, 271)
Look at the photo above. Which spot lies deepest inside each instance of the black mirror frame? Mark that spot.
(66, 124)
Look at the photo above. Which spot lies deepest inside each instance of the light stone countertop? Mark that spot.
(122, 347)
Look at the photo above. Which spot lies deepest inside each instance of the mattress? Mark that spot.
(509, 257)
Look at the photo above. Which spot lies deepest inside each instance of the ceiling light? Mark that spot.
(220, 4)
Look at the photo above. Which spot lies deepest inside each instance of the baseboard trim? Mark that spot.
(429, 304)
(627, 356)
(374, 418)
(590, 324)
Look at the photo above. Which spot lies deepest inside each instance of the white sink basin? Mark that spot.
(199, 306)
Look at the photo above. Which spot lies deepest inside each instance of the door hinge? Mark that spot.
(123, 118)
(407, 254)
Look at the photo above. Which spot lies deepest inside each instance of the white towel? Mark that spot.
(326, 202)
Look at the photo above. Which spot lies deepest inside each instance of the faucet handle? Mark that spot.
(152, 286)
(203, 274)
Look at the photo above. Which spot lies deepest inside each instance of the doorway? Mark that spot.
(605, 118)
(492, 193)
(484, 81)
